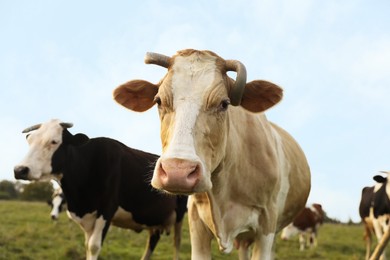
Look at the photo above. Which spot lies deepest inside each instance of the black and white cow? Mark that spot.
(374, 210)
(104, 182)
(57, 203)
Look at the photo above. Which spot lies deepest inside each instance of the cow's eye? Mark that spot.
(54, 142)
(157, 100)
(224, 105)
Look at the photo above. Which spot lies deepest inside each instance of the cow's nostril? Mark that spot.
(21, 172)
(194, 173)
(162, 171)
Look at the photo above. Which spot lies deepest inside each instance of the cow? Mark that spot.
(104, 182)
(306, 224)
(374, 210)
(57, 203)
(247, 178)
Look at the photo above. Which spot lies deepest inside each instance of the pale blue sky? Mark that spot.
(62, 59)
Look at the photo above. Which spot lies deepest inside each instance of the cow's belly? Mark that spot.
(124, 219)
(86, 222)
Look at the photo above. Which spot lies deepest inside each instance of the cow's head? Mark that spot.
(319, 213)
(382, 182)
(381, 179)
(44, 141)
(57, 203)
(194, 100)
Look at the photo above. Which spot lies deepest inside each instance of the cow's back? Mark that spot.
(121, 178)
(366, 201)
(305, 219)
(148, 205)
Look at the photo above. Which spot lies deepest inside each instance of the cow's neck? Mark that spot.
(79, 188)
(233, 181)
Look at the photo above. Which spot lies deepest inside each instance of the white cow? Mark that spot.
(247, 177)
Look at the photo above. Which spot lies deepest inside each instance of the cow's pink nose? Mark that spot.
(178, 175)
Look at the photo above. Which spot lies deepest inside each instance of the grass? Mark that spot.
(27, 232)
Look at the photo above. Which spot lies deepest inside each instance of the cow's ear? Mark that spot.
(137, 95)
(79, 139)
(259, 95)
(379, 179)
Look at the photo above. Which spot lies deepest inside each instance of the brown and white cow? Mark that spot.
(247, 177)
(306, 224)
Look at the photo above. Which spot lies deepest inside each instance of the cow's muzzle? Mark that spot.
(21, 172)
(177, 176)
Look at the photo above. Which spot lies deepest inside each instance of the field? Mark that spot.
(27, 232)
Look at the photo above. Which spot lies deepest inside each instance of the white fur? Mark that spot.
(93, 231)
(284, 183)
(187, 90)
(43, 142)
(264, 250)
(289, 231)
(56, 203)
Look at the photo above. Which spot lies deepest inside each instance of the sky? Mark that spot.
(63, 59)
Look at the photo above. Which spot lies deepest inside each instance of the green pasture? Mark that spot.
(27, 232)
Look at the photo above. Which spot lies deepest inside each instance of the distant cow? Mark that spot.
(247, 177)
(104, 182)
(374, 210)
(57, 203)
(306, 224)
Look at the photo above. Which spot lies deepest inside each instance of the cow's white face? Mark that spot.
(192, 104)
(56, 204)
(43, 142)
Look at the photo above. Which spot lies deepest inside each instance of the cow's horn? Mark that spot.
(31, 128)
(158, 59)
(387, 172)
(238, 89)
(66, 125)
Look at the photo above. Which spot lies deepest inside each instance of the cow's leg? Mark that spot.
(154, 237)
(177, 239)
(302, 241)
(263, 244)
(200, 235)
(94, 243)
(86, 223)
(368, 247)
(379, 234)
(243, 248)
(367, 239)
(87, 235)
(263, 247)
(313, 239)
